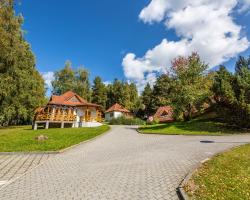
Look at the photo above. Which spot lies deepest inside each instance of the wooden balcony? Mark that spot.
(55, 117)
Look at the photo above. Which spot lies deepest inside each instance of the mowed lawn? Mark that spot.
(226, 176)
(194, 127)
(22, 138)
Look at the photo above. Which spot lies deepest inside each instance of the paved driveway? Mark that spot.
(121, 164)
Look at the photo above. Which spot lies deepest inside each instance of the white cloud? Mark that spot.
(245, 6)
(205, 26)
(48, 78)
(107, 83)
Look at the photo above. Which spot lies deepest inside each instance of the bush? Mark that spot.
(154, 122)
(126, 121)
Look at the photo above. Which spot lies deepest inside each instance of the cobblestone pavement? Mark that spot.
(121, 164)
(13, 166)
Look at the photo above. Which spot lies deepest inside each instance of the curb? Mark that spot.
(56, 152)
(180, 189)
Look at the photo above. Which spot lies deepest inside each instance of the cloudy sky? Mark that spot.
(134, 40)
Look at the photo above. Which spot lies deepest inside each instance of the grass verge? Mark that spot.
(194, 127)
(22, 138)
(226, 176)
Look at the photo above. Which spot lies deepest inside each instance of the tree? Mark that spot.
(242, 63)
(99, 93)
(232, 95)
(162, 90)
(21, 86)
(117, 90)
(147, 100)
(64, 80)
(82, 83)
(124, 93)
(74, 80)
(134, 100)
(191, 85)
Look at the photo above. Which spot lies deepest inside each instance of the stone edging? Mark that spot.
(180, 189)
(59, 151)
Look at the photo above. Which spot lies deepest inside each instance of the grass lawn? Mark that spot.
(22, 138)
(226, 176)
(194, 127)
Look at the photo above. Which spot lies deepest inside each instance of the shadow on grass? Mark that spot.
(195, 126)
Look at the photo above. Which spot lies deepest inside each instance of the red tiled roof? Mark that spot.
(164, 114)
(70, 99)
(117, 107)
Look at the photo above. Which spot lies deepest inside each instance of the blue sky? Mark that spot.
(101, 35)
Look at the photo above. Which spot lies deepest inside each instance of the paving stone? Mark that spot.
(121, 164)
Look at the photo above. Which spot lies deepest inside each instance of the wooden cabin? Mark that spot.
(164, 114)
(68, 109)
(116, 111)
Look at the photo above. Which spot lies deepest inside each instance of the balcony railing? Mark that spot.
(55, 117)
(65, 117)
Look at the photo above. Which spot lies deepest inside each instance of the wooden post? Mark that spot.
(47, 125)
(35, 126)
(62, 125)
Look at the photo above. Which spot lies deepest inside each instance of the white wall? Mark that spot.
(115, 115)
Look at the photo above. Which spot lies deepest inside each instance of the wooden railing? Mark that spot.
(67, 116)
(55, 117)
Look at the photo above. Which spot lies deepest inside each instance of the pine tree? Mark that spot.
(82, 83)
(99, 93)
(232, 95)
(21, 86)
(147, 100)
(242, 63)
(118, 92)
(161, 92)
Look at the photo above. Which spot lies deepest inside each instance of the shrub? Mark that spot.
(154, 122)
(126, 121)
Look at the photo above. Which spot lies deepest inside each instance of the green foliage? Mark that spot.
(147, 100)
(21, 85)
(232, 95)
(126, 121)
(162, 90)
(22, 138)
(99, 93)
(154, 122)
(186, 88)
(74, 80)
(242, 63)
(123, 93)
(191, 85)
(158, 96)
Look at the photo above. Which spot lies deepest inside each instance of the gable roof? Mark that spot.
(117, 107)
(70, 99)
(162, 110)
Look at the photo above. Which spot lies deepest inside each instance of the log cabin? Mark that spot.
(68, 110)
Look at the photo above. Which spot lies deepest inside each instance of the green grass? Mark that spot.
(225, 177)
(194, 127)
(22, 138)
